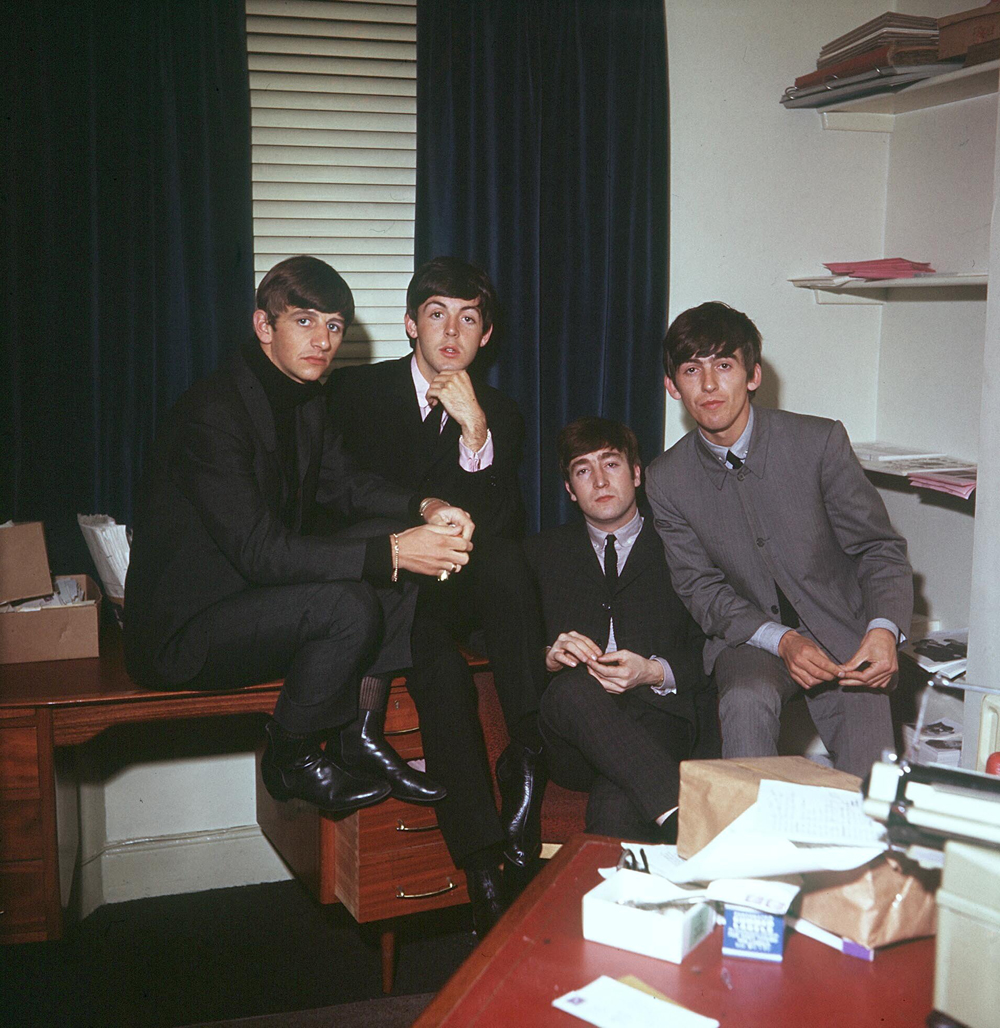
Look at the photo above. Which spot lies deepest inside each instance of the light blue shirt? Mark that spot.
(625, 538)
(770, 633)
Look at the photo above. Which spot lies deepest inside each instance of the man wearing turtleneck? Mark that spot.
(227, 585)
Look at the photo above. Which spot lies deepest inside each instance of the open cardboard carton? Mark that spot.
(24, 562)
(52, 633)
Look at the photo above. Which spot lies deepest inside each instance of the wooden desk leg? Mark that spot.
(29, 850)
(387, 943)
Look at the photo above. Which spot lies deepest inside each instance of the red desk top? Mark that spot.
(538, 952)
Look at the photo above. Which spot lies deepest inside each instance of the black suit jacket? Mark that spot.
(375, 408)
(208, 520)
(649, 617)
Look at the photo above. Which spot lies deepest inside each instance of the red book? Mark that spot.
(890, 56)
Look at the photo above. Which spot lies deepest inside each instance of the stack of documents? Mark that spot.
(109, 547)
(940, 742)
(954, 481)
(941, 653)
(880, 268)
(915, 31)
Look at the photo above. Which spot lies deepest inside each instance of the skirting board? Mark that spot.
(169, 864)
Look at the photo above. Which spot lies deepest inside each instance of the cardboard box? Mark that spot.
(24, 562)
(52, 633)
(887, 900)
(666, 935)
(958, 32)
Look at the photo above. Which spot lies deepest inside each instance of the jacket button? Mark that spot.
(741, 474)
(760, 542)
(774, 610)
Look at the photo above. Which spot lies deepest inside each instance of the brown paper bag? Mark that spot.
(888, 900)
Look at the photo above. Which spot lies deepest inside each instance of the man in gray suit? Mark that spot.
(781, 549)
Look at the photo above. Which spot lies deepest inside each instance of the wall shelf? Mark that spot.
(841, 289)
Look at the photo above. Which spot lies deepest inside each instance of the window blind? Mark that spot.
(333, 114)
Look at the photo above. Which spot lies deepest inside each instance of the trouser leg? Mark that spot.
(753, 686)
(446, 700)
(496, 592)
(612, 734)
(317, 636)
(854, 724)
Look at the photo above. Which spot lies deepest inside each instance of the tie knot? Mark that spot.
(732, 460)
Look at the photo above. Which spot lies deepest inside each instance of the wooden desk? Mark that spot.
(64, 703)
(538, 952)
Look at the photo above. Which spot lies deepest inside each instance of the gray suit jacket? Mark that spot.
(801, 513)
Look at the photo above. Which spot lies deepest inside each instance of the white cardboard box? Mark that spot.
(667, 935)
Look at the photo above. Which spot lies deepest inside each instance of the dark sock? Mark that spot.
(485, 859)
(374, 692)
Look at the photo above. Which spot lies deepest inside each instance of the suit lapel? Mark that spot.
(255, 400)
(582, 554)
(640, 557)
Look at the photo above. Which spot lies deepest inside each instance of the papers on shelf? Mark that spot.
(941, 653)
(109, 547)
(884, 267)
(897, 460)
(612, 1004)
(954, 481)
(940, 742)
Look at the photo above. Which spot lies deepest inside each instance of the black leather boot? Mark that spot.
(486, 895)
(294, 766)
(363, 748)
(521, 776)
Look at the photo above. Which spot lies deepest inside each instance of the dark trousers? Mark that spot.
(622, 750)
(495, 593)
(319, 636)
(447, 704)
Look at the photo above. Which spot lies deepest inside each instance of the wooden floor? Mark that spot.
(212, 956)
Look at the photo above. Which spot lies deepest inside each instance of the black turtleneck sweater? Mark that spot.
(284, 395)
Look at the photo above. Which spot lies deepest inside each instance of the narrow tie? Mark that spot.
(732, 460)
(432, 427)
(610, 563)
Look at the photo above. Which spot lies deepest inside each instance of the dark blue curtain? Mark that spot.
(542, 155)
(126, 243)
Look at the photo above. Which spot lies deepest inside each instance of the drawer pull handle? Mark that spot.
(404, 731)
(400, 894)
(402, 827)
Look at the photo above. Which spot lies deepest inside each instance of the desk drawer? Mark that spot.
(402, 882)
(396, 826)
(402, 731)
(22, 900)
(21, 830)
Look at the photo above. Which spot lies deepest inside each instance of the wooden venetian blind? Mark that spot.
(333, 108)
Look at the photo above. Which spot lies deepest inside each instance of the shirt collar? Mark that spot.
(741, 447)
(420, 384)
(624, 535)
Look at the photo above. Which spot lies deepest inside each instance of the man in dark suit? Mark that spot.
(781, 549)
(628, 699)
(227, 586)
(424, 422)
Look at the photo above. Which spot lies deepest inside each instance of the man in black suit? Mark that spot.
(628, 699)
(227, 586)
(424, 422)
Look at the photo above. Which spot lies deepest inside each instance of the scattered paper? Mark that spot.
(109, 547)
(66, 592)
(611, 1004)
(941, 653)
(815, 814)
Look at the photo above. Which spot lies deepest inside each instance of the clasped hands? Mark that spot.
(440, 545)
(617, 671)
(872, 666)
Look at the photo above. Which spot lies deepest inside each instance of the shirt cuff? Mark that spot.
(890, 625)
(768, 636)
(478, 460)
(669, 685)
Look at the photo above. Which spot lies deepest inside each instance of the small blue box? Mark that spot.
(754, 934)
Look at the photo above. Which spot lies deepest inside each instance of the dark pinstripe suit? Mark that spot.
(624, 749)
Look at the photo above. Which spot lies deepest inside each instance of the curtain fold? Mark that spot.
(542, 154)
(127, 240)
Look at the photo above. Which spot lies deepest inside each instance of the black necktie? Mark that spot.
(610, 562)
(432, 427)
(732, 460)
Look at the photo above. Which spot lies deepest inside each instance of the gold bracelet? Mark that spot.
(395, 556)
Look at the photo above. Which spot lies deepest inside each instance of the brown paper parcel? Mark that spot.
(887, 900)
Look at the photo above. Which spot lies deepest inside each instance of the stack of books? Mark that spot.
(880, 268)
(885, 53)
